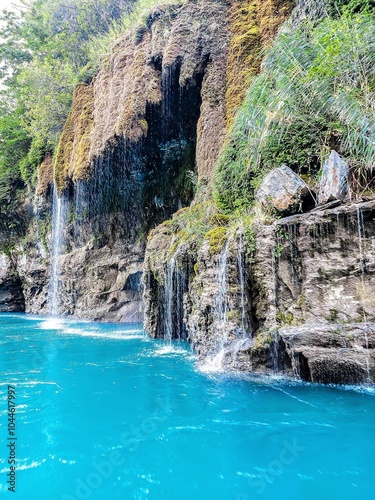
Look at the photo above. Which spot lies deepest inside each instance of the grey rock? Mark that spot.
(307, 300)
(284, 191)
(341, 354)
(334, 181)
(11, 295)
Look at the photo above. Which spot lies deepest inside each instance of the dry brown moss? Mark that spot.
(271, 15)
(143, 85)
(253, 24)
(45, 175)
(72, 155)
(194, 35)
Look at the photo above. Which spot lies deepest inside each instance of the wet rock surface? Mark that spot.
(342, 354)
(300, 303)
(11, 293)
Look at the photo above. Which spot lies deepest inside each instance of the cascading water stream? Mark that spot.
(216, 361)
(222, 298)
(169, 296)
(59, 218)
(361, 236)
(276, 251)
(241, 271)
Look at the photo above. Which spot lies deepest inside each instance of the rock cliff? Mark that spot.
(11, 293)
(138, 139)
(129, 190)
(295, 297)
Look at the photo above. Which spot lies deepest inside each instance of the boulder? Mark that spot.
(334, 181)
(283, 190)
(339, 354)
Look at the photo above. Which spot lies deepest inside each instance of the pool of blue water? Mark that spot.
(104, 412)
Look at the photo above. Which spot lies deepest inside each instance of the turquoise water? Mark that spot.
(104, 412)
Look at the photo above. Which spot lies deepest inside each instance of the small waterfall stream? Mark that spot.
(215, 362)
(169, 296)
(59, 220)
(241, 272)
(231, 340)
(361, 237)
(222, 296)
(176, 284)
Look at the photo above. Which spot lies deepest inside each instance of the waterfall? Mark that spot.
(361, 234)
(216, 361)
(169, 295)
(361, 237)
(275, 258)
(59, 219)
(222, 296)
(241, 272)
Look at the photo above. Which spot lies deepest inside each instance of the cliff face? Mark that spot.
(136, 141)
(139, 236)
(11, 294)
(295, 297)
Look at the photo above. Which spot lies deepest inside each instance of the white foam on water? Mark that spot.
(52, 324)
(117, 335)
(25, 466)
(214, 364)
(171, 350)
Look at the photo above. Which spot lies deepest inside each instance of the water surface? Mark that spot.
(103, 412)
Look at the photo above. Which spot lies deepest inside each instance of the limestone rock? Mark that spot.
(11, 296)
(284, 191)
(334, 181)
(342, 354)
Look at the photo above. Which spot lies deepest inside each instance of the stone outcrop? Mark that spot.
(11, 294)
(343, 353)
(284, 191)
(334, 180)
(296, 298)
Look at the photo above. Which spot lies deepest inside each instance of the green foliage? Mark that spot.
(316, 92)
(14, 145)
(351, 7)
(45, 50)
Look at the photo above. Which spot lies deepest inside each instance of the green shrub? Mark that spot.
(316, 92)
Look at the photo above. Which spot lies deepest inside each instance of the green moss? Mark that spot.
(72, 154)
(234, 315)
(252, 24)
(263, 341)
(285, 318)
(219, 220)
(301, 300)
(217, 238)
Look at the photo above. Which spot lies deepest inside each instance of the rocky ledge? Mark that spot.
(294, 298)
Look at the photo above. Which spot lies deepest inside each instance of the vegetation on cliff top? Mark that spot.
(46, 49)
(315, 92)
